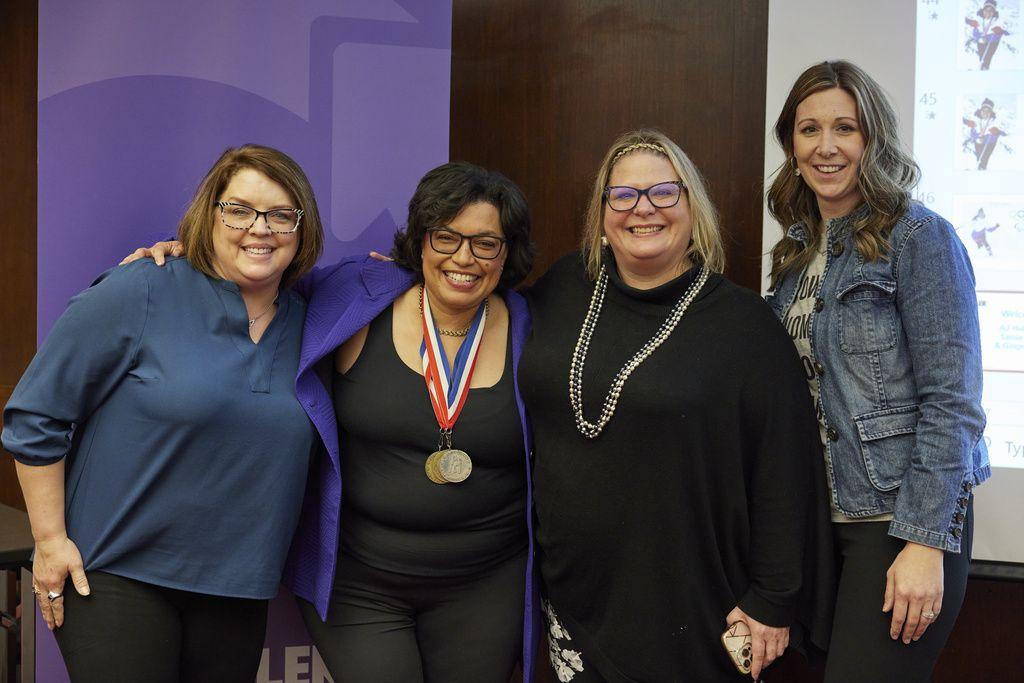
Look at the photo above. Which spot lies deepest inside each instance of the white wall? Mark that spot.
(877, 35)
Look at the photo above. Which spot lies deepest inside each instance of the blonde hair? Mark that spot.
(195, 231)
(885, 178)
(706, 238)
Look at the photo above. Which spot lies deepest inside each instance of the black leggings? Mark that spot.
(129, 631)
(861, 649)
(384, 627)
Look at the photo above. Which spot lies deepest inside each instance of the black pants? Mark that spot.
(384, 627)
(861, 649)
(129, 631)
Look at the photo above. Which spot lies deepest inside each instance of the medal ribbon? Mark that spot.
(447, 386)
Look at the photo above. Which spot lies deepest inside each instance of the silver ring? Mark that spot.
(52, 595)
(928, 615)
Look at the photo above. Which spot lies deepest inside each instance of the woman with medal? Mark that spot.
(408, 372)
(878, 293)
(674, 478)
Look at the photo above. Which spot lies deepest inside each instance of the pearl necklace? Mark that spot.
(454, 333)
(579, 355)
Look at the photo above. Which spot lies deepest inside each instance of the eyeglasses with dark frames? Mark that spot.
(241, 217)
(445, 241)
(625, 198)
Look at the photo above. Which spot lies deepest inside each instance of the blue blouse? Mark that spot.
(186, 448)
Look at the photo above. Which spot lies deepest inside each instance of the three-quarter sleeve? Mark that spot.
(781, 449)
(88, 352)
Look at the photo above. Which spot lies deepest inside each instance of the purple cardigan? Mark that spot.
(343, 299)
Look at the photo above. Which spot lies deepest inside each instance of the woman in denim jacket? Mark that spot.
(878, 295)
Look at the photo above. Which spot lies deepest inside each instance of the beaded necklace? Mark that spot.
(579, 355)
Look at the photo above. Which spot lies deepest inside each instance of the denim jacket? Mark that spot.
(895, 345)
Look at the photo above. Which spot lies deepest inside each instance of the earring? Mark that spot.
(792, 162)
(604, 241)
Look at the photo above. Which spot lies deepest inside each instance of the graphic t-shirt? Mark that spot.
(798, 324)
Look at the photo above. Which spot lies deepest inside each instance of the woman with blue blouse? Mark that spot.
(159, 443)
(877, 293)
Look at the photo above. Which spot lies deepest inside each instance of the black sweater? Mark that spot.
(695, 498)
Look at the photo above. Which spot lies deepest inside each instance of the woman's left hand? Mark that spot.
(767, 642)
(913, 591)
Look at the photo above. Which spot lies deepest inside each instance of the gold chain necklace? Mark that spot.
(453, 333)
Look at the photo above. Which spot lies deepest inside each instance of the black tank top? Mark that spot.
(392, 516)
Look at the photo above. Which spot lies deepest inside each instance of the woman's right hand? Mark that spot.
(55, 558)
(157, 252)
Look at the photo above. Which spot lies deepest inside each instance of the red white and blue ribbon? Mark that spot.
(448, 385)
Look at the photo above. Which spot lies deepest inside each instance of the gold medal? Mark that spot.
(448, 466)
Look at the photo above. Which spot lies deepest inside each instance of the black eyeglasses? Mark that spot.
(445, 241)
(662, 195)
(242, 217)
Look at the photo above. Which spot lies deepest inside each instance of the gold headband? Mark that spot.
(640, 145)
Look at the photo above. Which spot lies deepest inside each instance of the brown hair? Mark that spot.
(706, 238)
(195, 231)
(886, 175)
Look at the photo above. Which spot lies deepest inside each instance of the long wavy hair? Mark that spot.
(886, 176)
(706, 237)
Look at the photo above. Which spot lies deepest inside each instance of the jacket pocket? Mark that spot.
(867, 317)
(887, 443)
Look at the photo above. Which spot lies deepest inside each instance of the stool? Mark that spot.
(15, 556)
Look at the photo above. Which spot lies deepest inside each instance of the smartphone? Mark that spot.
(736, 641)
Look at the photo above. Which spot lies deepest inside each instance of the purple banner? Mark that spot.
(138, 99)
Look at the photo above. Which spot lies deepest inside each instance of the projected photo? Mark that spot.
(969, 76)
(992, 227)
(987, 126)
(990, 36)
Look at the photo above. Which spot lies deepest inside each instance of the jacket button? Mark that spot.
(958, 518)
(956, 532)
(832, 434)
(968, 485)
(819, 304)
(819, 369)
(837, 249)
(962, 502)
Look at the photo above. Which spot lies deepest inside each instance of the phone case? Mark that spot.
(736, 641)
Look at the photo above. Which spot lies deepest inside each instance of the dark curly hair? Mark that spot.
(445, 191)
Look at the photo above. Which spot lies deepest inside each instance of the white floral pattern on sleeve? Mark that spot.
(564, 661)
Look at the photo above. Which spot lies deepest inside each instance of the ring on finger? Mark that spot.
(929, 615)
(53, 595)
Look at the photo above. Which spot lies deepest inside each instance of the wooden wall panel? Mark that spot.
(540, 89)
(18, 65)
(982, 647)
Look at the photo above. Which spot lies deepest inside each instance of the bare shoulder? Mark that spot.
(346, 355)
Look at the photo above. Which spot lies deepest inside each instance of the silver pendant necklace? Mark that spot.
(579, 355)
(252, 321)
